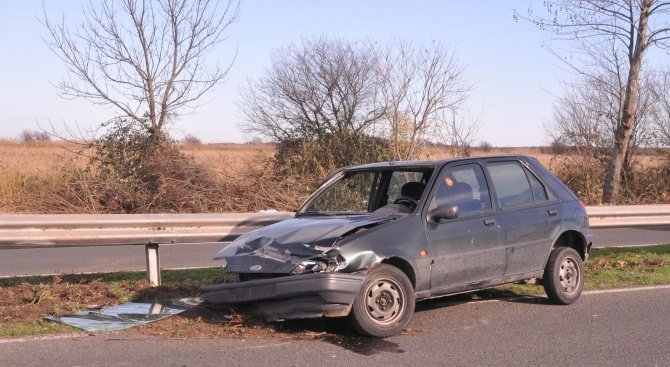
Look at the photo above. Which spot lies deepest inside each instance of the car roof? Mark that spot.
(432, 163)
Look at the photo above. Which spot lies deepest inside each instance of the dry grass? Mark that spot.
(32, 172)
(229, 159)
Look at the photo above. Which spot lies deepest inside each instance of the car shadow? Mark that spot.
(493, 294)
(238, 321)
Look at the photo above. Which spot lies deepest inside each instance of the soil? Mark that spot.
(27, 303)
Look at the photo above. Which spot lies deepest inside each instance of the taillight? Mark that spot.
(581, 203)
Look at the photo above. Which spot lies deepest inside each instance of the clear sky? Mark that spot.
(516, 79)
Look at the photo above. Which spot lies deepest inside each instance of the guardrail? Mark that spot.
(149, 230)
(152, 230)
(628, 216)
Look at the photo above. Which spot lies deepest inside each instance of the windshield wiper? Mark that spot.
(312, 214)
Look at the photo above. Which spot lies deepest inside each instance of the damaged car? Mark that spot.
(374, 239)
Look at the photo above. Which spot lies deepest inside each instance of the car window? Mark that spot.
(464, 186)
(539, 192)
(510, 183)
(398, 180)
(351, 194)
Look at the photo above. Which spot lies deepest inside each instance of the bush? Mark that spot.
(31, 136)
(315, 158)
(642, 183)
(190, 139)
(485, 146)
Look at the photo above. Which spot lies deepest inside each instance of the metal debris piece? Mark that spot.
(126, 315)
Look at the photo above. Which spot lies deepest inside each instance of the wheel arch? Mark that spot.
(574, 239)
(404, 266)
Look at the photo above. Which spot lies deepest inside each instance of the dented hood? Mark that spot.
(277, 248)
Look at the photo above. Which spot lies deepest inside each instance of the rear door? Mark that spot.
(529, 213)
(471, 248)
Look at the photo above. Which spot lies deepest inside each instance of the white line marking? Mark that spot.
(40, 338)
(263, 346)
(622, 290)
(621, 245)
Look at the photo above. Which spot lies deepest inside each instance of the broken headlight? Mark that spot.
(331, 261)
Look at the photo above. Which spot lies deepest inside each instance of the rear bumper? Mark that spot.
(293, 296)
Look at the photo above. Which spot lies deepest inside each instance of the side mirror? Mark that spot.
(443, 212)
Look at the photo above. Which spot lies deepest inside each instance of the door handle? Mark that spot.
(489, 222)
(552, 211)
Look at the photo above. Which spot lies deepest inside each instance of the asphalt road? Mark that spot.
(129, 258)
(629, 328)
(618, 237)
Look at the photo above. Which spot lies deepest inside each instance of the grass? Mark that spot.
(45, 177)
(170, 278)
(606, 268)
(38, 327)
(628, 267)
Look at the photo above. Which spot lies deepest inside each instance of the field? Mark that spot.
(50, 177)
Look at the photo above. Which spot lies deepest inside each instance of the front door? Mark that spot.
(469, 249)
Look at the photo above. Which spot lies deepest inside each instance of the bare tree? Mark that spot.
(320, 100)
(322, 86)
(588, 114)
(633, 26)
(661, 109)
(145, 58)
(419, 84)
(333, 102)
(458, 131)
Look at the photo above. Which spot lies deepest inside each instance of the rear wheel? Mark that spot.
(384, 304)
(564, 276)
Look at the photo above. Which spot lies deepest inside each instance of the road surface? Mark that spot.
(629, 328)
(131, 258)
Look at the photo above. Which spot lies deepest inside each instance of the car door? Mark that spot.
(529, 213)
(469, 249)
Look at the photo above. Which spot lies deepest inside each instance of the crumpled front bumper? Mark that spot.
(293, 296)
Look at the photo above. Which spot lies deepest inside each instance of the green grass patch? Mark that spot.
(185, 277)
(607, 268)
(38, 327)
(628, 267)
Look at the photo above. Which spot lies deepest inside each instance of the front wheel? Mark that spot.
(384, 304)
(564, 276)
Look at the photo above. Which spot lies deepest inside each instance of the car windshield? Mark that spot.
(365, 191)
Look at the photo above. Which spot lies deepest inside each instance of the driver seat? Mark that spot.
(412, 190)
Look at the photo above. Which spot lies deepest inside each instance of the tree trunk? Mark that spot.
(625, 129)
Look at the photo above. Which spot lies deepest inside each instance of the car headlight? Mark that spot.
(332, 261)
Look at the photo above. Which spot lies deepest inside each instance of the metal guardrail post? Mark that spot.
(153, 264)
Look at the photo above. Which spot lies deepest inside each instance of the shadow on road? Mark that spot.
(493, 294)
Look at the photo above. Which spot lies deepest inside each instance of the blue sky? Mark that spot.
(516, 79)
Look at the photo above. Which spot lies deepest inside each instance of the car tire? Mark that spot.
(384, 304)
(564, 276)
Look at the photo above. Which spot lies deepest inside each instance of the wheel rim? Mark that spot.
(384, 301)
(569, 275)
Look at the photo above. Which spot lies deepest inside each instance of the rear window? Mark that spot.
(511, 183)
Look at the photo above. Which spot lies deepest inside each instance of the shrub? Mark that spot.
(31, 136)
(190, 139)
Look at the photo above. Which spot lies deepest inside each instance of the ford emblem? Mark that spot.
(255, 267)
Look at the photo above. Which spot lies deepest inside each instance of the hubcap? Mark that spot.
(568, 276)
(384, 301)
